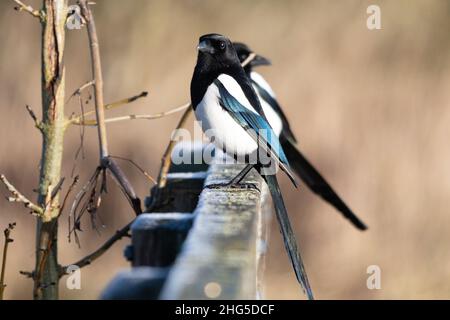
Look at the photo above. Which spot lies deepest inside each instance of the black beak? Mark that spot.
(205, 47)
(260, 61)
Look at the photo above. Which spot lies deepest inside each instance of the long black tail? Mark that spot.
(316, 182)
(288, 235)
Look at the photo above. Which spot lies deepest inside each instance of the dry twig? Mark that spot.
(81, 89)
(8, 240)
(89, 198)
(69, 191)
(20, 198)
(100, 251)
(29, 9)
(79, 120)
(166, 158)
(98, 77)
(144, 172)
(136, 116)
(37, 123)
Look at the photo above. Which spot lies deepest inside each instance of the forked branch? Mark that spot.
(90, 197)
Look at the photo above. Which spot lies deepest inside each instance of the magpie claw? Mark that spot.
(247, 186)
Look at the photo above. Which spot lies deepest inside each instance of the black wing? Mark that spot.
(258, 124)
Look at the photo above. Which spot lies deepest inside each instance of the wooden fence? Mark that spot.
(202, 243)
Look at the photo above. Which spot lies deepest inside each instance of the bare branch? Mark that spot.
(145, 173)
(125, 101)
(8, 240)
(89, 197)
(98, 77)
(138, 116)
(124, 184)
(100, 251)
(106, 162)
(249, 59)
(20, 198)
(35, 13)
(78, 120)
(27, 274)
(166, 159)
(37, 123)
(81, 89)
(76, 214)
(69, 191)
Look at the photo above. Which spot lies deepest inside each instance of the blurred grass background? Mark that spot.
(370, 108)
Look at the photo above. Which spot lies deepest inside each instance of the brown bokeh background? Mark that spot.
(371, 110)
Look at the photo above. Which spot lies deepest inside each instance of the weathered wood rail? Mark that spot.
(201, 243)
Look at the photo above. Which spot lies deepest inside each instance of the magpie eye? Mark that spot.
(222, 45)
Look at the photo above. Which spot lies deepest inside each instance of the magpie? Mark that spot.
(278, 120)
(231, 116)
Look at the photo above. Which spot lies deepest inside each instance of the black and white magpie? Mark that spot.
(230, 114)
(278, 120)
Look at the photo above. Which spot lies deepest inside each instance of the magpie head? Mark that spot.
(243, 52)
(216, 51)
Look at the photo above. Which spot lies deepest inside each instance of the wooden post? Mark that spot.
(142, 283)
(183, 183)
(157, 238)
(263, 236)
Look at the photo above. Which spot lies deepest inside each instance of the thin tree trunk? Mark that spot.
(46, 275)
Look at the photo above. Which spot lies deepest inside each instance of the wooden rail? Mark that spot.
(202, 243)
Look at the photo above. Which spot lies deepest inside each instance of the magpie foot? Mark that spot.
(248, 186)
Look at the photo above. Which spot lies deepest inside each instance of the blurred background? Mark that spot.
(370, 108)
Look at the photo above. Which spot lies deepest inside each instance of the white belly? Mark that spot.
(221, 128)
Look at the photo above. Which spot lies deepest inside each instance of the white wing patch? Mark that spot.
(236, 91)
(262, 82)
(272, 117)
